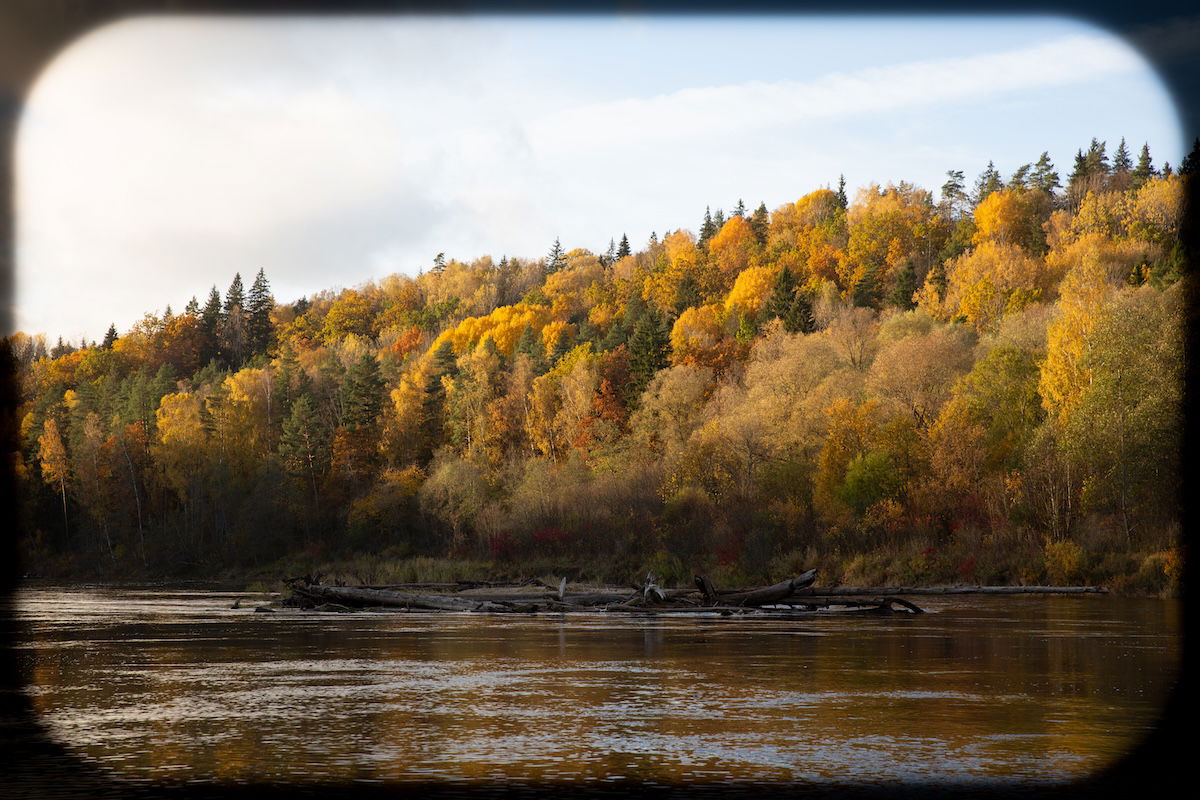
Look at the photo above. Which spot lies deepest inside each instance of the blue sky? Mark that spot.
(156, 157)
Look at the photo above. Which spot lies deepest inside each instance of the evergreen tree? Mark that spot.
(443, 363)
(747, 328)
(1020, 178)
(562, 346)
(529, 346)
(954, 200)
(362, 393)
(211, 314)
(259, 304)
(718, 221)
(842, 201)
(235, 295)
(759, 224)
(623, 248)
(707, 228)
(168, 313)
(304, 443)
(782, 295)
(799, 317)
(1121, 161)
(906, 285)
(109, 337)
(740, 209)
(649, 348)
(610, 255)
(1097, 160)
(1144, 170)
(192, 307)
(555, 260)
(1044, 176)
(1191, 162)
(439, 264)
(1166, 169)
(687, 294)
(988, 182)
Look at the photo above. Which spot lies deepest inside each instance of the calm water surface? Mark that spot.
(169, 685)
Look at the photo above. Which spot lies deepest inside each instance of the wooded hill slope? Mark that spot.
(985, 388)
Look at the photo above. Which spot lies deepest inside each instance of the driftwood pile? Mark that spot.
(789, 596)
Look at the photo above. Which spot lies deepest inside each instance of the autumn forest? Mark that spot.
(893, 385)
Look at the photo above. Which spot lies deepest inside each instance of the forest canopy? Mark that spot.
(987, 388)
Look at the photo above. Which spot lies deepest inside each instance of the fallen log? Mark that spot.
(355, 596)
(851, 591)
(755, 597)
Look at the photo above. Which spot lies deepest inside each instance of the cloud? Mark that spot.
(718, 110)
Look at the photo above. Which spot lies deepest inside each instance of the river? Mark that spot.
(173, 685)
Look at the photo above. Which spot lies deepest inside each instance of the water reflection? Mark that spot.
(163, 685)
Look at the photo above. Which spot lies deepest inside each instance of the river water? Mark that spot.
(177, 686)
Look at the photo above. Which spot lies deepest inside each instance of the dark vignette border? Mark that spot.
(33, 32)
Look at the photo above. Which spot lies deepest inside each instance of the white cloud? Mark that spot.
(718, 110)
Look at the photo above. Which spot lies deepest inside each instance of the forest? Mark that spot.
(985, 387)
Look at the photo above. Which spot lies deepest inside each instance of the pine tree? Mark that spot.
(623, 248)
(759, 224)
(434, 402)
(687, 294)
(259, 305)
(304, 443)
(562, 346)
(1044, 176)
(555, 260)
(718, 221)
(1097, 160)
(610, 255)
(988, 182)
(954, 199)
(529, 346)
(193, 307)
(842, 201)
(439, 264)
(1166, 169)
(1020, 178)
(211, 314)
(740, 209)
(109, 337)
(1144, 170)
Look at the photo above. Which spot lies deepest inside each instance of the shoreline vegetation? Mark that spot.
(982, 389)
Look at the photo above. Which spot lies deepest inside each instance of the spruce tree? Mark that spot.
(1144, 170)
(842, 201)
(362, 393)
(649, 348)
(799, 317)
(610, 255)
(555, 260)
(718, 221)
(211, 314)
(759, 223)
(707, 229)
(687, 294)
(623, 248)
(740, 209)
(901, 295)
(259, 304)
(109, 337)
(1121, 161)
(192, 307)
(782, 295)
(529, 346)
(1097, 160)
(235, 295)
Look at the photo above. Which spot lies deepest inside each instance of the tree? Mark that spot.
(987, 182)
(623, 248)
(707, 227)
(362, 393)
(1044, 176)
(782, 295)
(556, 259)
(55, 464)
(235, 295)
(1191, 162)
(842, 201)
(904, 288)
(954, 200)
(439, 264)
(304, 443)
(649, 351)
(740, 209)
(259, 304)
(1144, 170)
(759, 223)
(109, 337)
(1121, 161)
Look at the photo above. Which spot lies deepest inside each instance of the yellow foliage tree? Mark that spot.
(751, 290)
(1084, 293)
(734, 247)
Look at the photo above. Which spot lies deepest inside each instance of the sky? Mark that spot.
(156, 157)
